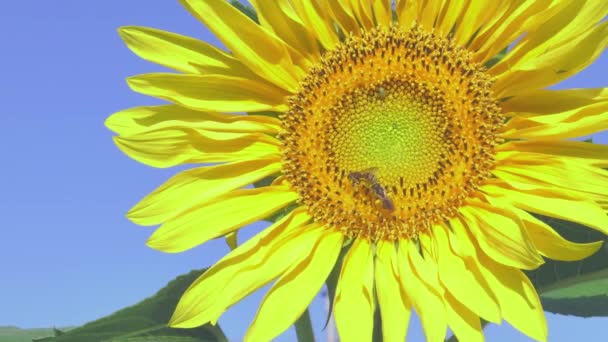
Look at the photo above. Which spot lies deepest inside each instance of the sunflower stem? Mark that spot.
(304, 328)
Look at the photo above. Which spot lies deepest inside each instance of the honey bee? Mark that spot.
(368, 176)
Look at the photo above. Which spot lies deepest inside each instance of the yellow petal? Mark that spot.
(553, 171)
(592, 154)
(354, 302)
(550, 244)
(568, 124)
(168, 147)
(315, 16)
(362, 11)
(463, 322)
(451, 12)
(428, 11)
(262, 51)
(229, 212)
(474, 18)
(242, 271)
(292, 293)
(342, 13)
(550, 202)
(146, 118)
(280, 18)
(417, 276)
(462, 282)
(565, 21)
(182, 53)
(407, 13)
(395, 308)
(548, 67)
(547, 101)
(459, 239)
(231, 240)
(520, 18)
(501, 236)
(214, 93)
(195, 187)
(517, 297)
(383, 12)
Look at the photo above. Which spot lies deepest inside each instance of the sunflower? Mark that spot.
(409, 143)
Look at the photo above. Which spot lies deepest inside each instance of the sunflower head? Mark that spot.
(409, 112)
(409, 139)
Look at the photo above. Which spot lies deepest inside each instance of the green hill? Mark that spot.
(15, 334)
(143, 322)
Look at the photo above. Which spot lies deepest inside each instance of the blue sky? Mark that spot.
(68, 253)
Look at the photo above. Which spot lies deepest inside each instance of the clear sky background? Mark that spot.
(68, 255)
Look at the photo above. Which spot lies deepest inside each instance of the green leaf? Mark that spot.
(588, 285)
(157, 339)
(145, 321)
(577, 288)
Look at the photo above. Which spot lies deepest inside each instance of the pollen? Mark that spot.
(390, 133)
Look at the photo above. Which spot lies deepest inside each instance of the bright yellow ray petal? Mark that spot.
(550, 244)
(553, 171)
(501, 236)
(462, 245)
(140, 119)
(362, 11)
(354, 301)
(263, 52)
(428, 13)
(342, 12)
(231, 211)
(565, 21)
(592, 154)
(280, 18)
(553, 65)
(382, 12)
(568, 124)
(315, 16)
(394, 307)
(418, 278)
(519, 302)
(242, 271)
(524, 16)
(407, 13)
(553, 203)
(525, 183)
(198, 186)
(547, 101)
(461, 282)
(463, 322)
(474, 18)
(459, 239)
(168, 147)
(496, 15)
(304, 279)
(182, 53)
(231, 240)
(451, 12)
(214, 93)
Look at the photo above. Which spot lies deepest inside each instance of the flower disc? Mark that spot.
(390, 133)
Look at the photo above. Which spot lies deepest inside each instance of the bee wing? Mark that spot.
(371, 170)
